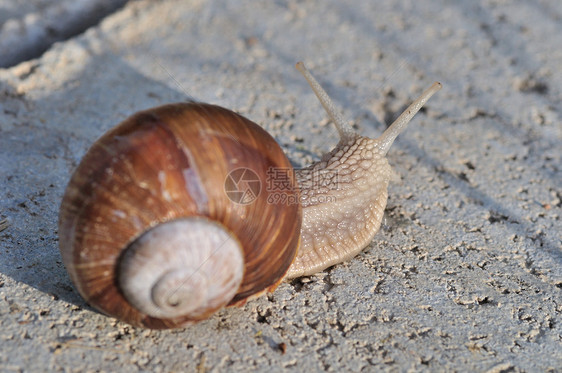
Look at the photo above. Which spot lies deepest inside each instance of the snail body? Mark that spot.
(356, 175)
(155, 228)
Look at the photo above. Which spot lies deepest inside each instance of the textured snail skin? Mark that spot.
(341, 216)
(344, 195)
(168, 163)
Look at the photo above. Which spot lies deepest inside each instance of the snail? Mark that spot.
(169, 215)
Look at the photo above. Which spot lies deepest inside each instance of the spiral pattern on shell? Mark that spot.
(168, 164)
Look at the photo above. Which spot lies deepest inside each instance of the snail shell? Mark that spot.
(153, 230)
(161, 174)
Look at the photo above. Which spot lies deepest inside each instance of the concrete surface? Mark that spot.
(466, 274)
(28, 28)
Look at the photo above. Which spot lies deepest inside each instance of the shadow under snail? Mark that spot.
(150, 236)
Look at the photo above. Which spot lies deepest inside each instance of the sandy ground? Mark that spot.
(466, 273)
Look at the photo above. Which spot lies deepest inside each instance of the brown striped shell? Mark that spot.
(184, 162)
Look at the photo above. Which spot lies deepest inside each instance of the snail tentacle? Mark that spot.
(389, 135)
(345, 131)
